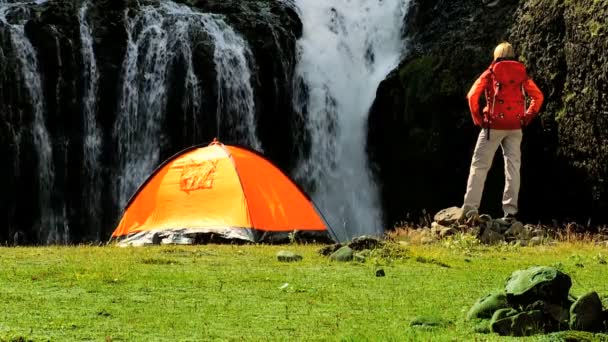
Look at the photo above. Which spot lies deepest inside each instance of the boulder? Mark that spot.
(586, 313)
(537, 283)
(523, 324)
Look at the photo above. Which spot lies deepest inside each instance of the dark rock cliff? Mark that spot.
(421, 136)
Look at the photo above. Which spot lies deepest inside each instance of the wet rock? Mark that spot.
(487, 305)
(586, 313)
(287, 256)
(537, 283)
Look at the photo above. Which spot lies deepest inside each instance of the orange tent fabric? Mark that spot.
(221, 189)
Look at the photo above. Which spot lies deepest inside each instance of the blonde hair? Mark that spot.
(504, 50)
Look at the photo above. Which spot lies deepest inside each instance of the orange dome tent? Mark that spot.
(228, 191)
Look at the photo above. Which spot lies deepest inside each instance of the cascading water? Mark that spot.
(347, 48)
(235, 103)
(92, 132)
(157, 37)
(50, 229)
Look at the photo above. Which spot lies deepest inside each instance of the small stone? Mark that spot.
(428, 322)
(343, 254)
(535, 241)
(287, 256)
(515, 230)
(427, 240)
(490, 237)
(538, 232)
(364, 242)
(359, 257)
(485, 218)
(447, 231)
(475, 231)
(328, 250)
(448, 216)
(436, 228)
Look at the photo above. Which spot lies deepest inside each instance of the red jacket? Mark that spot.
(507, 109)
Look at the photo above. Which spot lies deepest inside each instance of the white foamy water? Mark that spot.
(347, 48)
(93, 137)
(158, 35)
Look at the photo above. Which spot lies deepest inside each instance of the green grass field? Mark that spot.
(234, 293)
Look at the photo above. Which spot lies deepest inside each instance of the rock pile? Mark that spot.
(537, 300)
(358, 249)
(489, 231)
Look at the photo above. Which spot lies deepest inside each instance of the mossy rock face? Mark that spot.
(538, 283)
(586, 313)
(487, 305)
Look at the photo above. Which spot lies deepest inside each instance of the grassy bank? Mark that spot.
(221, 292)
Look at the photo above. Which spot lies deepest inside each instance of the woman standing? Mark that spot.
(505, 85)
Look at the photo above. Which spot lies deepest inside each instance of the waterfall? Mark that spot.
(48, 226)
(92, 132)
(157, 37)
(347, 48)
(235, 93)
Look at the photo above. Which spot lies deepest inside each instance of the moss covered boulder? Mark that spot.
(538, 283)
(486, 306)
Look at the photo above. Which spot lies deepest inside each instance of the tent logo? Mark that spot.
(197, 176)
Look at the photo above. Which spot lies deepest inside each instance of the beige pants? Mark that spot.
(510, 141)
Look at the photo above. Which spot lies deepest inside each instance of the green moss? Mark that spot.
(416, 78)
(595, 28)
